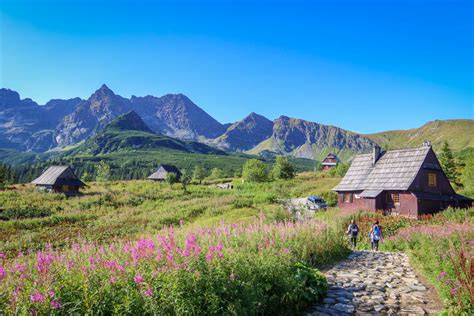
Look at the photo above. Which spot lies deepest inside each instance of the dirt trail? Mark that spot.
(368, 283)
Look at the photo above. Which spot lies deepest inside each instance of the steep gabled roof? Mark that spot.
(357, 173)
(58, 175)
(171, 168)
(330, 156)
(160, 173)
(394, 170)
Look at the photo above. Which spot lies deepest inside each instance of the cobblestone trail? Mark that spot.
(368, 283)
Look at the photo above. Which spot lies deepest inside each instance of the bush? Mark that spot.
(24, 213)
(283, 169)
(339, 171)
(216, 173)
(254, 171)
(330, 197)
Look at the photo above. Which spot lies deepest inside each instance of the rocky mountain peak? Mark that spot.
(102, 93)
(8, 98)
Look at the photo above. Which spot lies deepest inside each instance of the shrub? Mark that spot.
(283, 169)
(339, 171)
(254, 171)
(216, 173)
(199, 173)
(103, 172)
(24, 213)
(171, 178)
(330, 197)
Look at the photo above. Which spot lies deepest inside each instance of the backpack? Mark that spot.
(377, 230)
(354, 230)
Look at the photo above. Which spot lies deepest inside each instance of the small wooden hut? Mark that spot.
(61, 179)
(330, 161)
(162, 171)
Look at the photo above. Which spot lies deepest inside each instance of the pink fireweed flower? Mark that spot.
(191, 247)
(2, 255)
(55, 304)
(149, 292)
(44, 261)
(441, 275)
(114, 265)
(3, 273)
(37, 298)
(51, 293)
(453, 291)
(112, 280)
(138, 278)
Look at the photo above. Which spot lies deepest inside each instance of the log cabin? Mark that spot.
(330, 161)
(408, 182)
(59, 179)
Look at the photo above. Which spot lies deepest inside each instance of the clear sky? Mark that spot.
(366, 66)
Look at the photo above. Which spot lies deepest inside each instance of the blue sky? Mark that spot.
(365, 66)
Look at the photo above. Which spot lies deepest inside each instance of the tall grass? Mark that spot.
(228, 269)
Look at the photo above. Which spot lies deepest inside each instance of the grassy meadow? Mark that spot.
(128, 209)
(141, 247)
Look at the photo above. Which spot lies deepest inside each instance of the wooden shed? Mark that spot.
(59, 179)
(330, 161)
(162, 171)
(407, 182)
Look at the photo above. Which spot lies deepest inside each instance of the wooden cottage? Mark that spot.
(162, 171)
(330, 161)
(408, 182)
(61, 179)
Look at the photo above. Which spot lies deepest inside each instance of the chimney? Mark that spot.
(426, 143)
(375, 154)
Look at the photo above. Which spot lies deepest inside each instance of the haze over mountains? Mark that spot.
(27, 126)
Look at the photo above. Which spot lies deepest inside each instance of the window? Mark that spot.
(396, 198)
(347, 197)
(388, 198)
(432, 179)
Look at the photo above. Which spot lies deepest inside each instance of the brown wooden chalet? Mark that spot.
(330, 161)
(59, 179)
(162, 171)
(408, 182)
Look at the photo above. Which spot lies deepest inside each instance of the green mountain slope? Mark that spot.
(458, 133)
(128, 132)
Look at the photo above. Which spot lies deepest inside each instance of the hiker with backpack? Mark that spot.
(375, 235)
(353, 231)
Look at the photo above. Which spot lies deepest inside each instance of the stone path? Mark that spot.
(368, 283)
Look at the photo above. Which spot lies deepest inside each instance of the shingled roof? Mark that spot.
(162, 170)
(58, 175)
(394, 170)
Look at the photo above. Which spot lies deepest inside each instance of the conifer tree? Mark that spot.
(446, 160)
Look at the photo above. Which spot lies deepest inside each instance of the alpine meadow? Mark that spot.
(236, 157)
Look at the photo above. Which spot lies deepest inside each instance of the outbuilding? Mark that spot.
(60, 179)
(409, 182)
(330, 161)
(162, 171)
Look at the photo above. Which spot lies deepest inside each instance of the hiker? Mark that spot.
(353, 231)
(375, 235)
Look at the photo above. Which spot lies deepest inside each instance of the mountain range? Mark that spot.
(27, 126)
